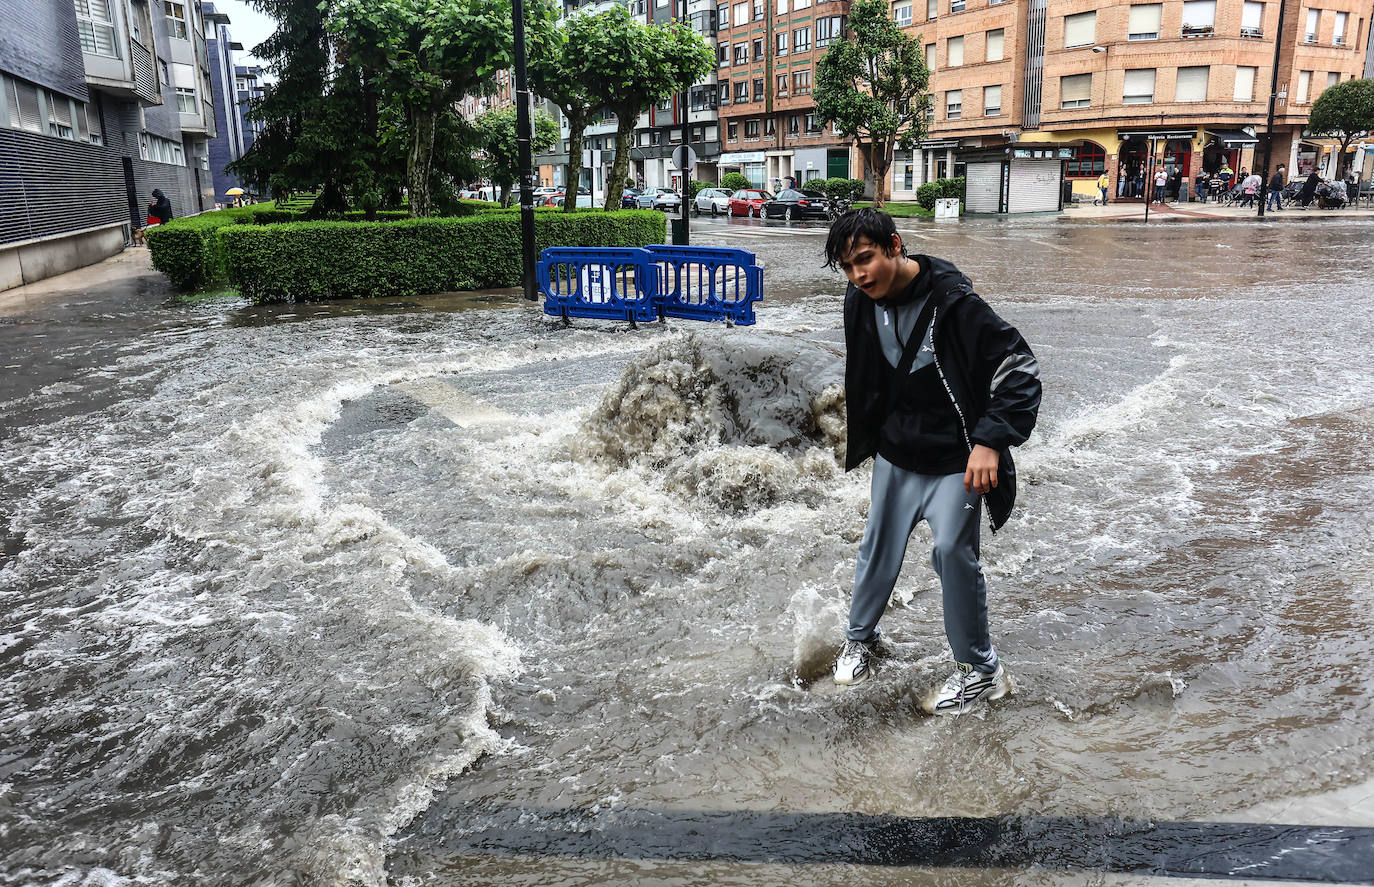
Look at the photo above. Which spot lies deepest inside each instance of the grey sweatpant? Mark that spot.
(900, 499)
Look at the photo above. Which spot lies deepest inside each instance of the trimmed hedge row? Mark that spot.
(321, 260)
(927, 194)
(188, 250)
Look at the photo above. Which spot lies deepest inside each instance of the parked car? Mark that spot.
(583, 200)
(748, 201)
(712, 200)
(545, 190)
(791, 205)
(629, 198)
(659, 198)
(482, 192)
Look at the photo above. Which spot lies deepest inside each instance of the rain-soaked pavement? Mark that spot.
(440, 592)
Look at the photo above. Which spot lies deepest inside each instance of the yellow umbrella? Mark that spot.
(234, 192)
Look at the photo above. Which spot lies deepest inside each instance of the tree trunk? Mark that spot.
(577, 121)
(879, 163)
(624, 137)
(419, 160)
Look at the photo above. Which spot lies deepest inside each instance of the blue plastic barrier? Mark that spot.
(689, 282)
(614, 283)
(707, 283)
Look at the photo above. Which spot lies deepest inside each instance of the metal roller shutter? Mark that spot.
(983, 187)
(1034, 186)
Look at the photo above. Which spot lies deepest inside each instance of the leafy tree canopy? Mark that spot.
(1344, 111)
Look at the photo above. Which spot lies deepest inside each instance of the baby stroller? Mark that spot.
(1289, 194)
(1331, 195)
(1233, 196)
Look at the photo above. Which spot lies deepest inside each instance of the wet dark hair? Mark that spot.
(869, 223)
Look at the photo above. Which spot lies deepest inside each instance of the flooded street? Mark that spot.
(441, 593)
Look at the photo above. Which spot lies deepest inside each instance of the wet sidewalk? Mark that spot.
(1175, 211)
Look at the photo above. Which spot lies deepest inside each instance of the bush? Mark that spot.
(815, 187)
(951, 187)
(319, 260)
(844, 189)
(927, 194)
(695, 186)
(187, 250)
(733, 181)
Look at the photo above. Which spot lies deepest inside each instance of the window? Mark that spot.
(901, 13)
(758, 89)
(1089, 160)
(781, 48)
(801, 40)
(954, 52)
(723, 54)
(1245, 84)
(800, 4)
(95, 27)
(723, 14)
(1199, 17)
(176, 19)
(1252, 19)
(1338, 35)
(994, 43)
(186, 100)
(1080, 29)
(780, 84)
(956, 5)
(724, 92)
(1075, 91)
(829, 29)
(781, 7)
(932, 8)
(758, 10)
(1191, 85)
(742, 14)
(1140, 87)
(1144, 23)
(930, 57)
(741, 53)
(812, 124)
(1332, 79)
(801, 82)
(793, 124)
(751, 130)
(954, 104)
(675, 135)
(770, 128)
(59, 116)
(1314, 21)
(1304, 87)
(758, 49)
(992, 100)
(22, 99)
(732, 130)
(741, 91)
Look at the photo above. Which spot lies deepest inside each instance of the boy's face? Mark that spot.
(871, 269)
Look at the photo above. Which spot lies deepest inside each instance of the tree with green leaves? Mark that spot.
(1345, 112)
(563, 73)
(428, 55)
(496, 138)
(632, 67)
(873, 86)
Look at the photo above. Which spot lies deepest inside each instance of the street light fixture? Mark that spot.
(1274, 96)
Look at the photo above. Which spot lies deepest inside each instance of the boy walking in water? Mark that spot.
(939, 388)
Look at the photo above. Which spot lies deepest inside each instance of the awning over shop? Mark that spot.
(1233, 138)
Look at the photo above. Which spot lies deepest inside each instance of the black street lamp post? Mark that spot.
(522, 139)
(1273, 99)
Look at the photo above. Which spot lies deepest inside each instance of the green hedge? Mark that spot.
(927, 194)
(319, 260)
(188, 250)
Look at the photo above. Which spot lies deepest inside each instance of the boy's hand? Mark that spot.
(981, 474)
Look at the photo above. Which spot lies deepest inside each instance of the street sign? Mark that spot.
(684, 157)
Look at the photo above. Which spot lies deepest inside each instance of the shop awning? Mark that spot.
(1233, 138)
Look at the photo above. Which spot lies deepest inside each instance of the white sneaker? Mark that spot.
(854, 663)
(966, 687)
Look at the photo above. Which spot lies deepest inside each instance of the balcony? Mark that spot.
(1198, 30)
(1255, 33)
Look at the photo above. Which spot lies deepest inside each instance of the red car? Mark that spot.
(748, 202)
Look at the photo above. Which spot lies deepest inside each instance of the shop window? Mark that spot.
(1090, 160)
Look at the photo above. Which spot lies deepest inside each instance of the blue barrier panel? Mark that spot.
(614, 283)
(625, 283)
(706, 282)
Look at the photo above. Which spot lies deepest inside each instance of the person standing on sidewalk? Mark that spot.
(938, 389)
(1161, 182)
(1103, 183)
(1276, 189)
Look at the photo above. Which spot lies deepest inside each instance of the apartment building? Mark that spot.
(101, 101)
(1100, 84)
(766, 53)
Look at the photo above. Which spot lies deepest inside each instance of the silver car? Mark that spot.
(659, 198)
(715, 201)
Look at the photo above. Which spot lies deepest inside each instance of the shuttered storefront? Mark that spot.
(1034, 186)
(983, 187)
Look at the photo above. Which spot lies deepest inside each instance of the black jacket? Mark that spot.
(160, 207)
(986, 366)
